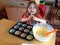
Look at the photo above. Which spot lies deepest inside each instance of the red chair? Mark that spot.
(42, 9)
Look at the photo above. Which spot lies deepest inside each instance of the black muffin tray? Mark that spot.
(22, 30)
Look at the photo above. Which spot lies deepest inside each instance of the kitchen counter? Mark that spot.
(8, 39)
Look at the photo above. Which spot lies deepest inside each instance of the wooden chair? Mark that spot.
(51, 15)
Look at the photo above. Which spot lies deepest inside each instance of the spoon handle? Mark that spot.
(51, 32)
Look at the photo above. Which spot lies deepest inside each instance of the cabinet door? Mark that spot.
(14, 13)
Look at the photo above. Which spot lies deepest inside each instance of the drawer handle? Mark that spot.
(22, 4)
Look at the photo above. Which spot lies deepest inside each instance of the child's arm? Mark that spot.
(40, 20)
(24, 19)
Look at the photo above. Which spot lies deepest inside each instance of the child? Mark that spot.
(32, 16)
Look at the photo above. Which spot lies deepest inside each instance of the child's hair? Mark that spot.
(27, 13)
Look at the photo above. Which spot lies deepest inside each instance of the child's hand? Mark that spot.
(34, 17)
(30, 17)
(40, 20)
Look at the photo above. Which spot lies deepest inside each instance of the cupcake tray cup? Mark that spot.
(22, 30)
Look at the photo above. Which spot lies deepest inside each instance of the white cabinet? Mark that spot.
(17, 9)
(14, 13)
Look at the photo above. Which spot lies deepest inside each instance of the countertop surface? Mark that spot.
(8, 39)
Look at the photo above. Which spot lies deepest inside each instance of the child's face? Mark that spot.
(32, 9)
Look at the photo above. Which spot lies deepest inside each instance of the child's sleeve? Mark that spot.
(39, 16)
(23, 16)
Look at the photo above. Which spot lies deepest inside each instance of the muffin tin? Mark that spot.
(22, 30)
